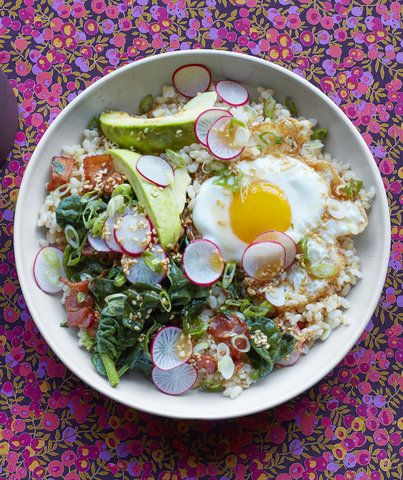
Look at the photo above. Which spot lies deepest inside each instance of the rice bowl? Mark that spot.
(308, 315)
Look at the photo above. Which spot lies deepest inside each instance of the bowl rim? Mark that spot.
(22, 271)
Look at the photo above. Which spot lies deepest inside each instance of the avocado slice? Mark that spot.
(163, 205)
(155, 135)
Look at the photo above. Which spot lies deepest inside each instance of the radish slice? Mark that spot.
(285, 240)
(192, 79)
(263, 260)
(202, 262)
(155, 169)
(170, 348)
(290, 359)
(222, 143)
(205, 121)
(48, 268)
(132, 233)
(232, 92)
(98, 243)
(175, 381)
(136, 270)
(108, 233)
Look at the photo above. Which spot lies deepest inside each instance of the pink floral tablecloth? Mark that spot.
(347, 427)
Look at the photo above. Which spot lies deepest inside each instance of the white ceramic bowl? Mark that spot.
(122, 90)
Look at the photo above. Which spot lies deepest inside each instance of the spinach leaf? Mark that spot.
(269, 344)
(182, 291)
(68, 212)
(191, 322)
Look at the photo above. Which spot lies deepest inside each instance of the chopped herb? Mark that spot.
(270, 138)
(58, 167)
(229, 272)
(153, 261)
(175, 159)
(320, 134)
(81, 297)
(64, 324)
(290, 104)
(231, 181)
(147, 104)
(352, 189)
(268, 108)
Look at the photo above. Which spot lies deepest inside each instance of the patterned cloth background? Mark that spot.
(347, 427)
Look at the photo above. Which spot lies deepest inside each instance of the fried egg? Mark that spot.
(279, 193)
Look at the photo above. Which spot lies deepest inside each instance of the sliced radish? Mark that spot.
(155, 169)
(221, 142)
(191, 79)
(202, 262)
(48, 268)
(98, 243)
(136, 270)
(205, 121)
(263, 260)
(108, 233)
(232, 92)
(286, 241)
(290, 359)
(170, 348)
(133, 233)
(175, 381)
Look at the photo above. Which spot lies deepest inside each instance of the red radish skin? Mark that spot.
(38, 272)
(163, 349)
(189, 80)
(232, 93)
(214, 142)
(202, 259)
(109, 233)
(205, 121)
(176, 381)
(273, 251)
(98, 243)
(155, 169)
(286, 241)
(121, 235)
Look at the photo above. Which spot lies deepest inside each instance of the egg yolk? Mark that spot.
(262, 207)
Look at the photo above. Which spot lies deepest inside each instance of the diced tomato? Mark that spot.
(223, 328)
(94, 164)
(60, 172)
(208, 362)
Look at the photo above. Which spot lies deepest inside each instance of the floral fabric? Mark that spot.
(348, 426)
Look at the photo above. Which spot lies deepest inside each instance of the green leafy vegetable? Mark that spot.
(269, 344)
(146, 104)
(181, 291)
(191, 321)
(68, 212)
(320, 134)
(290, 104)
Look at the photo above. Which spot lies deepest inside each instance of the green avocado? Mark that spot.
(155, 135)
(163, 205)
